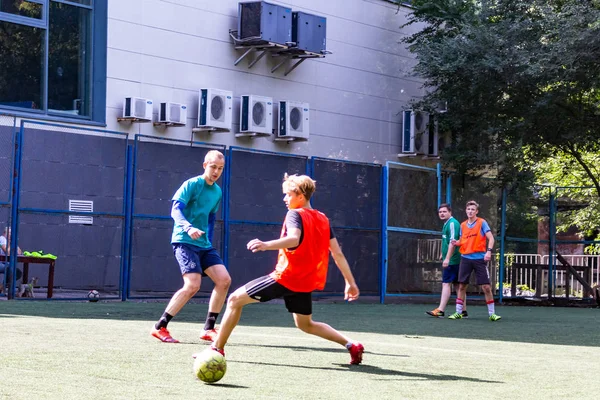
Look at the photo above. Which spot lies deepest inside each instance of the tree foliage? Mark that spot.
(516, 75)
(521, 80)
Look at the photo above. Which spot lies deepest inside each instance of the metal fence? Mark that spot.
(100, 202)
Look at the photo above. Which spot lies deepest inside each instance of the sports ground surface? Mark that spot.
(74, 350)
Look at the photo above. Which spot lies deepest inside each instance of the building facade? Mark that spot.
(75, 61)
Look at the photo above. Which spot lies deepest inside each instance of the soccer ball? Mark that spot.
(93, 296)
(210, 366)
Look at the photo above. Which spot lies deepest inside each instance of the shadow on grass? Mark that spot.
(561, 326)
(373, 370)
(313, 349)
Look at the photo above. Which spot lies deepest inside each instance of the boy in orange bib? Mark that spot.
(476, 243)
(304, 246)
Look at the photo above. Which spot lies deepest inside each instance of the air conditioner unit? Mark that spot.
(137, 108)
(172, 113)
(309, 32)
(260, 22)
(256, 115)
(416, 133)
(215, 108)
(293, 122)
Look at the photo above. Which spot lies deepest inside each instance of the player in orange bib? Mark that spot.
(304, 246)
(476, 243)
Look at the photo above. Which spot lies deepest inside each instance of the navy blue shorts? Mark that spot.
(450, 274)
(468, 265)
(193, 259)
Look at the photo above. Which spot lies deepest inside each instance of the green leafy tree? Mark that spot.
(521, 80)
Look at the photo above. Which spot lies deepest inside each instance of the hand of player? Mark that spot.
(351, 292)
(195, 233)
(256, 245)
(445, 263)
(453, 242)
(488, 256)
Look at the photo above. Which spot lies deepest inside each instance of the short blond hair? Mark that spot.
(472, 203)
(213, 155)
(299, 184)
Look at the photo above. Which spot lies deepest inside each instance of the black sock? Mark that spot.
(163, 321)
(211, 319)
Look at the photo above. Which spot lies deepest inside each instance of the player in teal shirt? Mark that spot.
(451, 230)
(194, 209)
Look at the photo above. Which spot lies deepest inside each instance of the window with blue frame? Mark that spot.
(53, 57)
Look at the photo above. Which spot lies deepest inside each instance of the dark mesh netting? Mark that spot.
(89, 256)
(154, 269)
(244, 265)
(414, 264)
(412, 199)
(161, 168)
(58, 166)
(256, 179)
(362, 249)
(481, 190)
(7, 148)
(349, 194)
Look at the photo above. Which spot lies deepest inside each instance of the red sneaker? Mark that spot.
(209, 335)
(163, 335)
(356, 352)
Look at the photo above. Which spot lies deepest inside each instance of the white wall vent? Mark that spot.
(293, 122)
(256, 115)
(81, 206)
(215, 108)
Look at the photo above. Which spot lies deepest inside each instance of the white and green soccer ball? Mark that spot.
(210, 366)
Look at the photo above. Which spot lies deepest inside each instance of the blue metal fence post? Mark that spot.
(227, 179)
(502, 244)
(552, 244)
(438, 173)
(449, 189)
(14, 212)
(383, 263)
(127, 224)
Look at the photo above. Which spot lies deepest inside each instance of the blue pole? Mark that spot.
(438, 173)
(14, 222)
(227, 179)
(551, 248)
(502, 244)
(383, 262)
(449, 189)
(127, 231)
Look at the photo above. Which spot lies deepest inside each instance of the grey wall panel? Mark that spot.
(61, 166)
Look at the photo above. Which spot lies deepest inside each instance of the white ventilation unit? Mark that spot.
(215, 108)
(419, 136)
(293, 122)
(172, 113)
(81, 206)
(256, 115)
(137, 108)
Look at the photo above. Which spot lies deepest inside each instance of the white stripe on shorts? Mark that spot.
(260, 285)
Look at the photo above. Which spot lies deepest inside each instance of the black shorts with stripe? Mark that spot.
(266, 288)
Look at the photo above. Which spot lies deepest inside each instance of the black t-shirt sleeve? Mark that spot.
(331, 233)
(293, 220)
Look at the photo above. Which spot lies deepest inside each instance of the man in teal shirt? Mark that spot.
(194, 209)
(451, 230)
